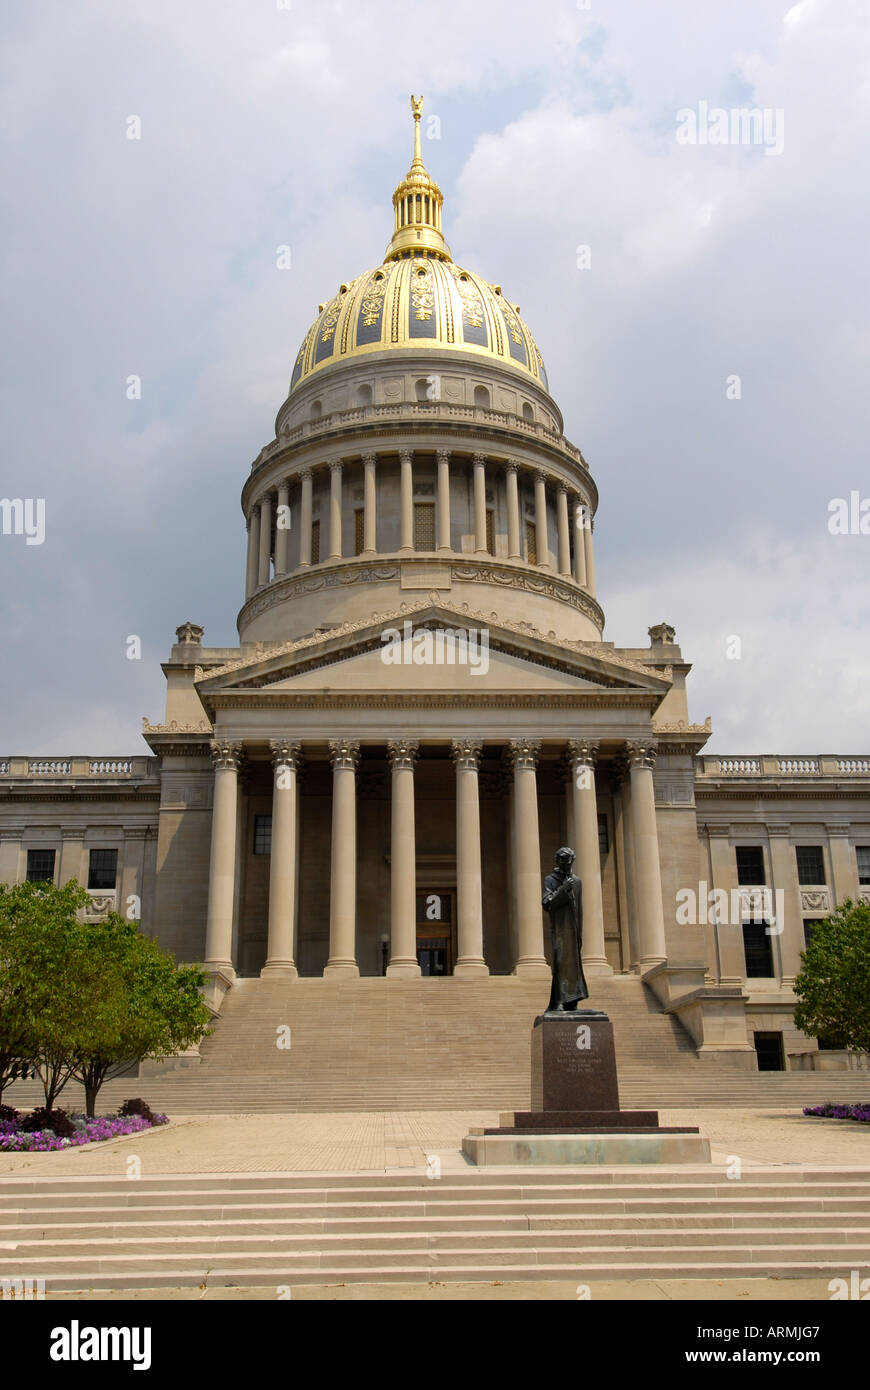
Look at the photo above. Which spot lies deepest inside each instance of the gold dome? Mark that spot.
(418, 299)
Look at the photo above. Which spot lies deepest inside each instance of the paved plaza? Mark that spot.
(386, 1141)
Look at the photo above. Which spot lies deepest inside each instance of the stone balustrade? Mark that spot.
(775, 766)
(104, 769)
(425, 410)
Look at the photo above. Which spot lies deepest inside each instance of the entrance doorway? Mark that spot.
(435, 918)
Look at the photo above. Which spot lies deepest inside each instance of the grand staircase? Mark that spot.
(269, 1230)
(433, 1044)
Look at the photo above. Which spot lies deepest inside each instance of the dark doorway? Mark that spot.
(769, 1049)
(435, 917)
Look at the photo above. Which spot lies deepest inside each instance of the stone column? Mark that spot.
(564, 540)
(252, 570)
(132, 875)
(406, 467)
(531, 961)
(73, 862)
(583, 754)
(513, 511)
(370, 523)
(335, 511)
(844, 865)
(403, 862)
(282, 866)
(541, 542)
(265, 540)
(480, 504)
(443, 499)
(590, 557)
(790, 941)
(342, 879)
(729, 935)
(282, 528)
(581, 514)
(305, 518)
(469, 887)
(10, 853)
(650, 914)
(221, 875)
(621, 843)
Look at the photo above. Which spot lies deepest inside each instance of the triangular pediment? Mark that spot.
(432, 646)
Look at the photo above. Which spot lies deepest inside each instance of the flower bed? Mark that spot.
(840, 1112)
(15, 1139)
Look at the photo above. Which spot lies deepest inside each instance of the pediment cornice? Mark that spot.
(271, 663)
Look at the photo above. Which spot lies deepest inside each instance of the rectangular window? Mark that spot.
(490, 530)
(809, 923)
(102, 868)
(358, 531)
(750, 864)
(531, 543)
(315, 542)
(863, 853)
(424, 525)
(810, 864)
(603, 840)
(40, 866)
(262, 834)
(756, 949)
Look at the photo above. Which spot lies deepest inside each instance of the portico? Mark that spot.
(399, 790)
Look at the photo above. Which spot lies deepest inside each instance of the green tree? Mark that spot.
(143, 1005)
(86, 1000)
(43, 982)
(833, 986)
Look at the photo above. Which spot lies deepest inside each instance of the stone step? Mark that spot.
(709, 1261)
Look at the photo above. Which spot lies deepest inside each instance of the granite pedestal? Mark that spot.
(575, 1115)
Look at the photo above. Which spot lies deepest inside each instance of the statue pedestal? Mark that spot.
(575, 1115)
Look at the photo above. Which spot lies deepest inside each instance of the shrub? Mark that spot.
(840, 1112)
(56, 1120)
(136, 1107)
(9, 1113)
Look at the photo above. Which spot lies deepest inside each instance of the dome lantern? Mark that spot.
(417, 203)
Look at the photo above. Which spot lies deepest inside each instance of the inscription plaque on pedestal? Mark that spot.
(574, 1062)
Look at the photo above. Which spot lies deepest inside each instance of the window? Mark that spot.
(768, 1046)
(364, 395)
(103, 868)
(863, 853)
(810, 864)
(490, 530)
(531, 543)
(528, 413)
(424, 525)
(316, 410)
(603, 839)
(315, 542)
(262, 834)
(40, 866)
(358, 531)
(481, 397)
(809, 923)
(750, 864)
(757, 951)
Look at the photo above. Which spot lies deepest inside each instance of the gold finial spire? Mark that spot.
(417, 202)
(417, 109)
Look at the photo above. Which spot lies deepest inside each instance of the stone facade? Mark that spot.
(422, 709)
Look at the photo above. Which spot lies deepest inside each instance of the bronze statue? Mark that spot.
(563, 899)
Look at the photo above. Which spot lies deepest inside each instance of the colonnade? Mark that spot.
(271, 512)
(640, 843)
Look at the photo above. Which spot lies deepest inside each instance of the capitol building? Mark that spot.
(422, 707)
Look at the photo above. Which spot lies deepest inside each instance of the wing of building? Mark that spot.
(422, 708)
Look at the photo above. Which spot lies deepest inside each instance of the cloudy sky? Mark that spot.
(265, 124)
